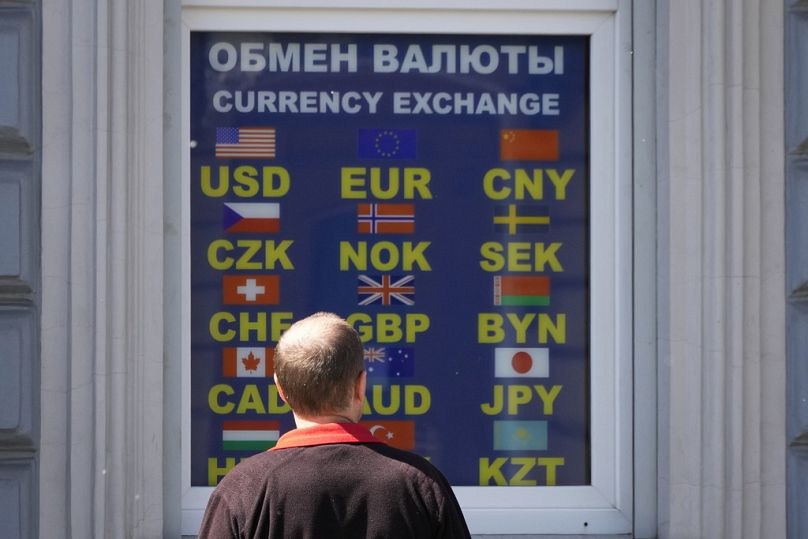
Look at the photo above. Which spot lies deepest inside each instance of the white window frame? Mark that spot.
(605, 506)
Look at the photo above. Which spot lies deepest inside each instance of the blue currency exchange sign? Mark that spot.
(433, 190)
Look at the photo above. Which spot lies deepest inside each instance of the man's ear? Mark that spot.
(360, 385)
(280, 389)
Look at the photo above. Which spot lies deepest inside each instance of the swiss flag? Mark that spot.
(251, 289)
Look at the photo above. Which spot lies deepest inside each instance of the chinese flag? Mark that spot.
(528, 145)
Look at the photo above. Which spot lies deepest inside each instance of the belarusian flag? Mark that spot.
(522, 290)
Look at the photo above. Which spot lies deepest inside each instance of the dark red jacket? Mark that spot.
(333, 480)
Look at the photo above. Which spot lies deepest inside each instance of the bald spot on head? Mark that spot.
(317, 361)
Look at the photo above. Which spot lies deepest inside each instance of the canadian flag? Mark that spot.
(247, 362)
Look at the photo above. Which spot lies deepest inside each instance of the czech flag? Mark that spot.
(259, 217)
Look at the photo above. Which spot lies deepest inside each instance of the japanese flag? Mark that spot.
(521, 363)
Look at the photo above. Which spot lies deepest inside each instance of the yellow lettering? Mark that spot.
(519, 256)
(550, 464)
(215, 404)
(249, 328)
(207, 186)
(557, 329)
(356, 180)
(548, 398)
(245, 261)
(276, 254)
(491, 191)
(492, 471)
(384, 256)
(518, 395)
(526, 184)
(491, 252)
(215, 472)
(378, 401)
(250, 401)
(495, 406)
(275, 181)
(275, 404)
(518, 478)
(215, 326)
(388, 326)
(520, 325)
(560, 182)
(246, 178)
(214, 259)
(533, 185)
(417, 400)
(489, 328)
(353, 257)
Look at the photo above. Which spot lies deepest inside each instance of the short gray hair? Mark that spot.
(317, 361)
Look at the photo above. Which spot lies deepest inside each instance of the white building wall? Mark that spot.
(102, 257)
(720, 290)
(721, 270)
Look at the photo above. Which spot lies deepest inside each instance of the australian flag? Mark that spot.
(395, 362)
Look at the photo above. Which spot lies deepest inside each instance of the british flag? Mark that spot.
(386, 289)
(373, 354)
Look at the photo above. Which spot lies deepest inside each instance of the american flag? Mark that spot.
(386, 289)
(245, 142)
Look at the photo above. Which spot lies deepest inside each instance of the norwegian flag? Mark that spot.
(385, 218)
(386, 289)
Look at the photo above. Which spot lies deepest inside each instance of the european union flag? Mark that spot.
(386, 144)
(520, 435)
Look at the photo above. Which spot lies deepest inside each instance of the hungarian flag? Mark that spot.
(522, 290)
(251, 289)
(250, 435)
(528, 145)
(248, 362)
(397, 433)
(251, 217)
(521, 363)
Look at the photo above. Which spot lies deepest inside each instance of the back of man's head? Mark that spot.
(317, 362)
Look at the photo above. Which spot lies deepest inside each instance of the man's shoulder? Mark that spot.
(266, 466)
(248, 470)
(412, 464)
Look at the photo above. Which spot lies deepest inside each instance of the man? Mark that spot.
(330, 477)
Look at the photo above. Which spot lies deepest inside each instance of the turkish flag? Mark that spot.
(397, 433)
